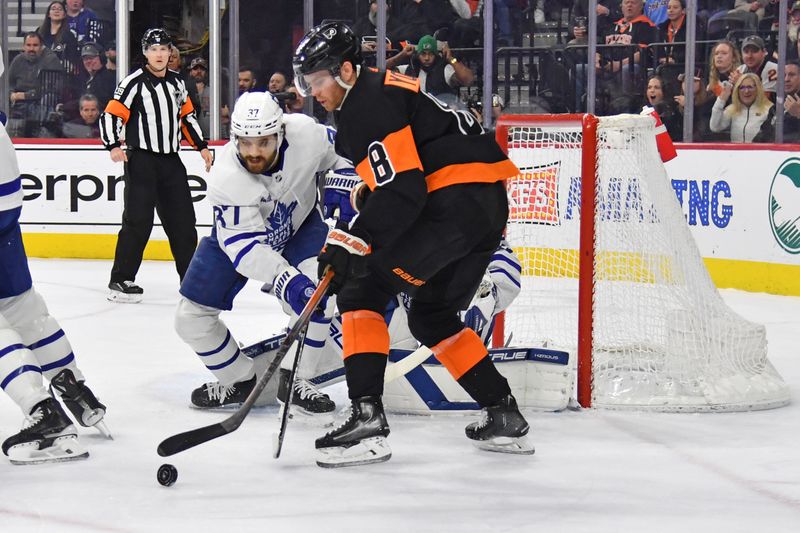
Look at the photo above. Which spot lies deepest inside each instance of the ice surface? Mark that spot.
(593, 471)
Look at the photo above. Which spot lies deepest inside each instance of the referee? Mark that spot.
(152, 106)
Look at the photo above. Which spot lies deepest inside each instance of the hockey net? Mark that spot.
(623, 286)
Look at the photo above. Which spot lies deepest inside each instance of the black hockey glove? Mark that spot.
(345, 252)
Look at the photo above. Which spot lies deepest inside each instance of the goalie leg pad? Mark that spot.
(365, 452)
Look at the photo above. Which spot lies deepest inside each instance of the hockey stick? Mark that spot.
(277, 444)
(397, 370)
(189, 439)
(407, 364)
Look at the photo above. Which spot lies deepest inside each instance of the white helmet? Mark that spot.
(257, 114)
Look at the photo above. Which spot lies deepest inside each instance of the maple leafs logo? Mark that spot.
(280, 224)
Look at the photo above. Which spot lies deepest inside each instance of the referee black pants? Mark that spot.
(154, 181)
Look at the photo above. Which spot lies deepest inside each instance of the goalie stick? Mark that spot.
(189, 439)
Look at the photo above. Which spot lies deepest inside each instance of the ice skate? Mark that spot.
(124, 292)
(214, 395)
(359, 440)
(48, 436)
(501, 429)
(80, 400)
(307, 401)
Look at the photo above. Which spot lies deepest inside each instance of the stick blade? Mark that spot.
(190, 439)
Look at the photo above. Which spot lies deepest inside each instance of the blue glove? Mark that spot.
(295, 288)
(338, 184)
(3, 118)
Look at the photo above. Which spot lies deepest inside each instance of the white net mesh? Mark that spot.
(663, 338)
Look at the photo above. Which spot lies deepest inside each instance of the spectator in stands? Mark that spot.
(607, 12)
(656, 10)
(95, 78)
(294, 105)
(278, 82)
(467, 29)
(425, 16)
(57, 37)
(25, 112)
(754, 59)
(366, 28)
(634, 28)
(791, 109)
(176, 63)
(439, 74)
(86, 126)
(247, 80)
(703, 102)
(749, 109)
(475, 106)
(502, 17)
(80, 21)
(725, 59)
(673, 30)
(198, 71)
(660, 96)
(106, 23)
(111, 56)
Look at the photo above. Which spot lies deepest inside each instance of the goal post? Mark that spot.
(612, 275)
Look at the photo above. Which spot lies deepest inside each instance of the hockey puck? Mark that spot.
(167, 475)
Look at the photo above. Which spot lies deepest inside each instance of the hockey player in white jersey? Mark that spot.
(267, 227)
(33, 345)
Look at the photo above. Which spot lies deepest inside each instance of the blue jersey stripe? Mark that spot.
(226, 363)
(11, 187)
(241, 236)
(218, 348)
(243, 253)
(509, 260)
(61, 362)
(18, 372)
(44, 342)
(514, 280)
(11, 348)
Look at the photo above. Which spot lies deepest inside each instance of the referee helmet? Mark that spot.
(155, 36)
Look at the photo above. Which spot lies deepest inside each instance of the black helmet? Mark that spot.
(155, 36)
(326, 47)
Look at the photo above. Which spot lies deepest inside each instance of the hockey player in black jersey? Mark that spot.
(434, 214)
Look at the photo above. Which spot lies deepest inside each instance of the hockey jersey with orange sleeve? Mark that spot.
(404, 144)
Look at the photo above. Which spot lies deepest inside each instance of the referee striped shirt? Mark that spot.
(153, 111)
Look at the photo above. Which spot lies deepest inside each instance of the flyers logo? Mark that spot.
(401, 80)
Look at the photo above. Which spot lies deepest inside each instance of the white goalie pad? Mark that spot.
(539, 378)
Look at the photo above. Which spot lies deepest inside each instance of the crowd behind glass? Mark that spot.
(64, 73)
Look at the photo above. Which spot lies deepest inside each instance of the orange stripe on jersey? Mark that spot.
(460, 352)
(396, 153)
(187, 136)
(471, 173)
(186, 108)
(364, 332)
(401, 80)
(118, 109)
